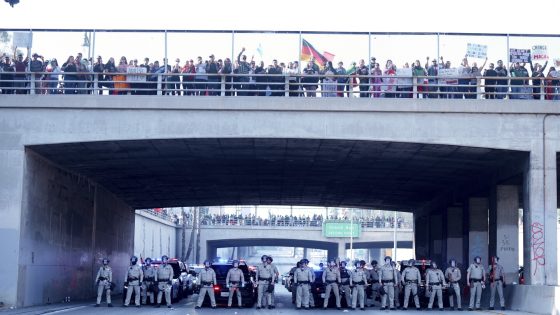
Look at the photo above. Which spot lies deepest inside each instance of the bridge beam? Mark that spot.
(478, 229)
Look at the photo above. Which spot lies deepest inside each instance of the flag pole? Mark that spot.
(299, 54)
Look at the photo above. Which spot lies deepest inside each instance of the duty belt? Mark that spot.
(265, 279)
(434, 283)
(453, 282)
(234, 282)
(149, 279)
(360, 283)
(387, 281)
(411, 281)
(476, 280)
(132, 278)
(206, 282)
(102, 278)
(303, 282)
(163, 280)
(499, 279)
(330, 281)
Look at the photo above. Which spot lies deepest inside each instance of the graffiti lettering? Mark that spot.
(537, 245)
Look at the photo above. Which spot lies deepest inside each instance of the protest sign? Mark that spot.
(404, 76)
(135, 78)
(519, 55)
(23, 39)
(539, 52)
(477, 51)
(448, 76)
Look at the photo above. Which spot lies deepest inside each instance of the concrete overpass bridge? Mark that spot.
(214, 237)
(75, 166)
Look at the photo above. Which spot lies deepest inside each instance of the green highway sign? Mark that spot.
(336, 228)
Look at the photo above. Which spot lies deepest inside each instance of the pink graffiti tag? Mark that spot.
(537, 245)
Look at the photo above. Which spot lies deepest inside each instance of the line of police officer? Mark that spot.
(387, 280)
(142, 280)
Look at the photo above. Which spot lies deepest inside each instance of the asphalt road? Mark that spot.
(186, 307)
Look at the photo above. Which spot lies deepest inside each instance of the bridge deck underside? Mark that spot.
(204, 172)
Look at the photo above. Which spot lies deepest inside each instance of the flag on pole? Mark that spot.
(308, 51)
(328, 56)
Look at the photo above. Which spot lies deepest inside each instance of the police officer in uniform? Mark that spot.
(291, 279)
(388, 279)
(497, 282)
(358, 281)
(331, 279)
(410, 278)
(148, 286)
(453, 275)
(207, 280)
(103, 281)
(164, 277)
(435, 281)
(345, 283)
(133, 279)
(235, 280)
(265, 277)
(303, 277)
(476, 278)
(276, 275)
(373, 277)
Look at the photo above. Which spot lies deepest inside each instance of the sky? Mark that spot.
(474, 16)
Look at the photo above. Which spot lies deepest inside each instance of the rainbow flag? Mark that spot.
(308, 51)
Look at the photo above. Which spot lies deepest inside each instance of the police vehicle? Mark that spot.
(221, 291)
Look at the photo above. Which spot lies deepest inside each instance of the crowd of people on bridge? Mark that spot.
(246, 77)
(300, 221)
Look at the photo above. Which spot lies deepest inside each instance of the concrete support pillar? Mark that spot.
(540, 219)
(504, 229)
(478, 229)
(305, 253)
(454, 238)
(436, 237)
(341, 251)
(421, 244)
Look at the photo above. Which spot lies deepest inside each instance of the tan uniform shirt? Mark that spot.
(265, 271)
(303, 275)
(475, 271)
(387, 272)
(236, 275)
(150, 273)
(411, 274)
(358, 275)
(105, 272)
(374, 275)
(453, 274)
(133, 274)
(434, 276)
(498, 272)
(207, 275)
(165, 273)
(331, 274)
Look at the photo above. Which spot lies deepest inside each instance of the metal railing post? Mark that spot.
(414, 88)
(159, 79)
(286, 86)
(32, 84)
(542, 90)
(223, 85)
(479, 93)
(95, 81)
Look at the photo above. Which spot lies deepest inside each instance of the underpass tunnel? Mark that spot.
(79, 198)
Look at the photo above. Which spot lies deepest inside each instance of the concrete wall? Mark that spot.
(154, 237)
(68, 225)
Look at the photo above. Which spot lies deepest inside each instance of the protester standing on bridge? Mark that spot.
(265, 277)
(207, 281)
(453, 275)
(345, 283)
(164, 278)
(501, 84)
(497, 282)
(435, 281)
(235, 280)
(303, 277)
(476, 278)
(103, 281)
(358, 282)
(269, 260)
(388, 279)
(331, 279)
(150, 278)
(410, 278)
(133, 279)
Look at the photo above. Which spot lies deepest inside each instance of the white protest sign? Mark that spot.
(404, 76)
(448, 76)
(477, 51)
(23, 39)
(539, 52)
(135, 78)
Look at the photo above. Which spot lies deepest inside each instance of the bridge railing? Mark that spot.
(286, 85)
(287, 223)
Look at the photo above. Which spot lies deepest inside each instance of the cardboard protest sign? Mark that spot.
(477, 51)
(135, 78)
(404, 76)
(519, 55)
(23, 39)
(539, 52)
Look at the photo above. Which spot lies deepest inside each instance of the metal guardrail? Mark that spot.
(288, 85)
(282, 223)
